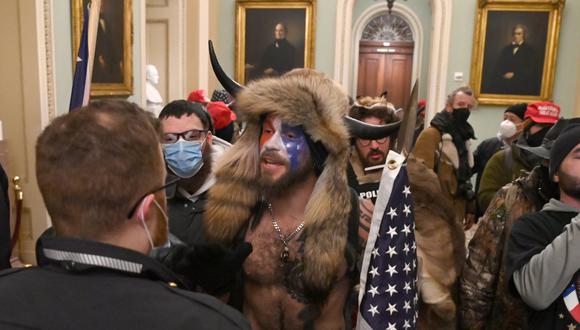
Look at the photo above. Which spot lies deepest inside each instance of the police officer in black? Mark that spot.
(101, 173)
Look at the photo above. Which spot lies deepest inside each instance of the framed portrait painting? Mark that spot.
(514, 50)
(113, 65)
(273, 37)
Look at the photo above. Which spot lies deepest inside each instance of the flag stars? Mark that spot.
(392, 309)
(407, 268)
(391, 290)
(373, 310)
(392, 326)
(392, 270)
(407, 191)
(375, 252)
(407, 287)
(406, 324)
(406, 248)
(391, 251)
(407, 306)
(374, 271)
(392, 212)
(374, 290)
(406, 229)
(392, 232)
(406, 210)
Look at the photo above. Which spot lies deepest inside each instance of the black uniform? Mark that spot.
(5, 249)
(89, 285)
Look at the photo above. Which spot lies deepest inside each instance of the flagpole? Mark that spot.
(95, 10)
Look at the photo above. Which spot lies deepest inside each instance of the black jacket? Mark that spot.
(4, 221)
(186, 217)
(89, 285)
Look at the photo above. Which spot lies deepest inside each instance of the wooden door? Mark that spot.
(385, 66)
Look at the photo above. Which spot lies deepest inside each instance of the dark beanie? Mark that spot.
(567, 140)
(518, 110)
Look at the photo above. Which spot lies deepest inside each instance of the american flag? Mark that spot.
(81, 87)
(388, 284)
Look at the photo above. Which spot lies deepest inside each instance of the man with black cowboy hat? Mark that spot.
(283, 188)
(543, 257)
(367, 155)
(485, 301)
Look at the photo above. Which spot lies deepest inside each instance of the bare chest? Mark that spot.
(271, 261)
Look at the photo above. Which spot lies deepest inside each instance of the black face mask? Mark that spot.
(460, 115)
(535, 140)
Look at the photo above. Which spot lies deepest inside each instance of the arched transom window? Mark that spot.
(387, 28)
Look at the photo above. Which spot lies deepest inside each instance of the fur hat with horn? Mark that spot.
(300, 97)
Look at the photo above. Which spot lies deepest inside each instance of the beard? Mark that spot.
(570, 184)
(289, 179)
(368, 161)
(191, 185)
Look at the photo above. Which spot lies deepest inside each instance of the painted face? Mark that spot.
(372, 152)
(283, 149)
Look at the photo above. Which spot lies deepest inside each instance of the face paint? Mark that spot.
(294, 141)
(284, 152)
(288, 142)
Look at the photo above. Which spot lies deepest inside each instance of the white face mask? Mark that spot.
(507, 129)
(149, 237)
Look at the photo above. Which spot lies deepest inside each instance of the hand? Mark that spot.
(212, 268)
(469, 221)
(269, 71)
(508, 75)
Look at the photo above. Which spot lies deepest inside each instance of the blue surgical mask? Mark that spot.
(184, 158)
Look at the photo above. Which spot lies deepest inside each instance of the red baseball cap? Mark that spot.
(543, 112)
(221, 115)
(197, 95)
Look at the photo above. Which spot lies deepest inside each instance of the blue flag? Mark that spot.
(80, 78)
(388, 297)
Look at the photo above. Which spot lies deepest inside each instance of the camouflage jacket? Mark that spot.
(484, 299)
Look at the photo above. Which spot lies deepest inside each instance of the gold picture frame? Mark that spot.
(256, 47)
(113, 61)
(515, 46)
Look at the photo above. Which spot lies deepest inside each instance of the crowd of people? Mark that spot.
(253, 210)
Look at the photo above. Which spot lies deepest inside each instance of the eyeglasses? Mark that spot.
(168, 184)
(366, 143)
(191, 135)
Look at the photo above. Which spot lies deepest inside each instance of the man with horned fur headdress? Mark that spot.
(283, 188)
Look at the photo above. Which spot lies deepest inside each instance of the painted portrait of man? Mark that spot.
(515, 44)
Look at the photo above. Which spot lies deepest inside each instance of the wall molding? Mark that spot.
(49, 58)
(369, 14)
(439, 57)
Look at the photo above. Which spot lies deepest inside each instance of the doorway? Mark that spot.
(386, 59)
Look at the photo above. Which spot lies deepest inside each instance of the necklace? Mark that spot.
(284, 238)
